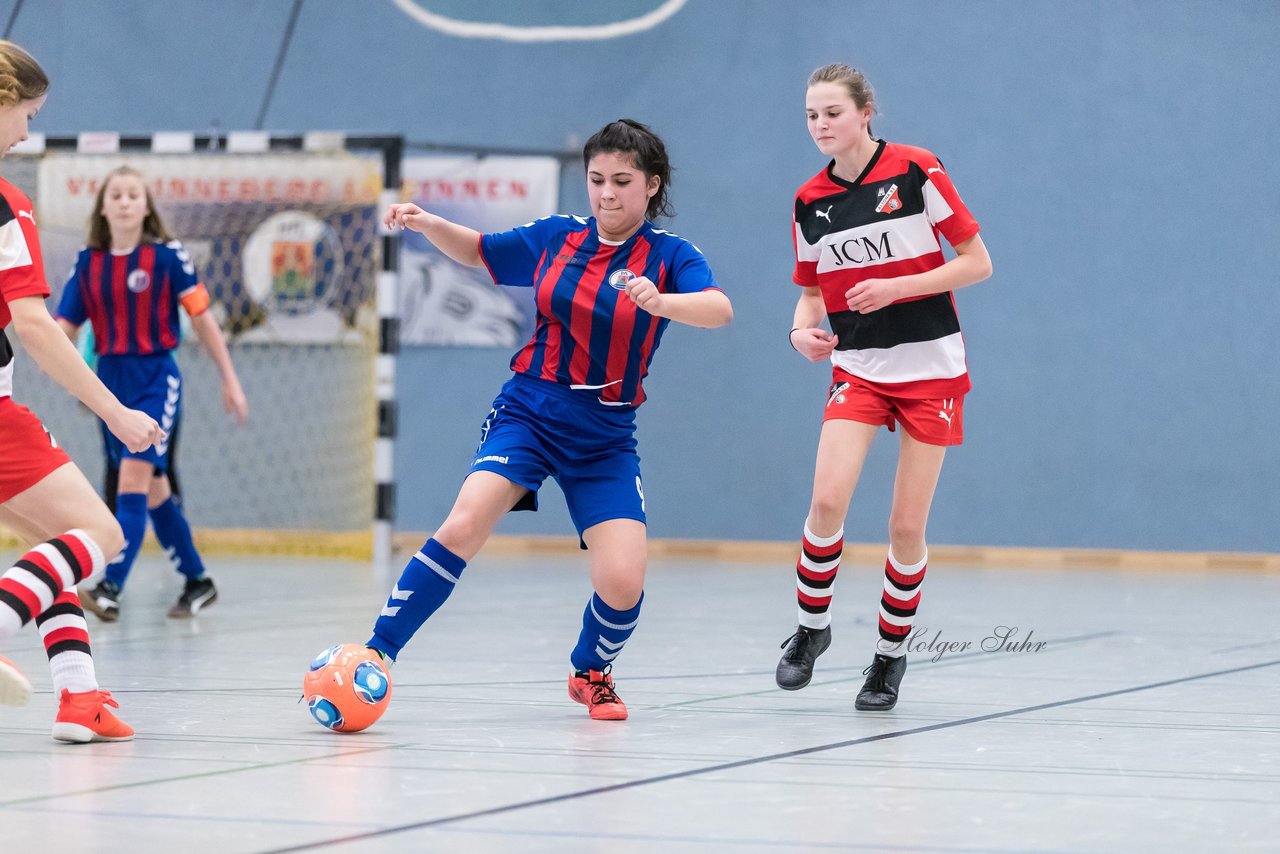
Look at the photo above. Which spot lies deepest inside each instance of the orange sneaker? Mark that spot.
(14, 687)
(84, 717)
(594, 690)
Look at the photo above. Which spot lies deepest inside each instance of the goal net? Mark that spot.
(286, 240)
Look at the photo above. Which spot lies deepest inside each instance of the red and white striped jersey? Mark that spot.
(21, 268)
(882, 225)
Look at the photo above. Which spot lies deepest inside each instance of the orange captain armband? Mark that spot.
(195, 300)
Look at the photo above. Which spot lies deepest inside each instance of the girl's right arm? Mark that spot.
(460, 243)
(807, 336)
(49, 347)
(72, 331)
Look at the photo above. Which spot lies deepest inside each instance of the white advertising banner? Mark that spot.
(442, 302)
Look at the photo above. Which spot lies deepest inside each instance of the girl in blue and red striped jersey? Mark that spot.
(128, 283)
(869, 260)
(43, 496)
(605, 288)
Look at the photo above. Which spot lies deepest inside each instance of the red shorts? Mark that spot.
(28, 454)
(933, 421)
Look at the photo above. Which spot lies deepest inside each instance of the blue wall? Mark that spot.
(1119, 155)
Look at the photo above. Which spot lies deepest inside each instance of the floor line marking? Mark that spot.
(757, 760)
(201, 775)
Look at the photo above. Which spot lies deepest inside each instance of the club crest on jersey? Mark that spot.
(889, 201)
(138, 281)
(836, 395)
(618, 279)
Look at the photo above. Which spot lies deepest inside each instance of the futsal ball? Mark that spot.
(347, 687)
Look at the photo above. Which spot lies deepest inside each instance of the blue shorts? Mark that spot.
(151, 384)
(539, 429)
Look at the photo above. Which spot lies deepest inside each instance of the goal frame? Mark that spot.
(391, 147)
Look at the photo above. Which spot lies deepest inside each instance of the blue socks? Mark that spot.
(174, 534)
(425, 583)
(430, 577)
(604, 631)
(131, 513)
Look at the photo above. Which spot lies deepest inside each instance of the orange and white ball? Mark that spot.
(347, 687)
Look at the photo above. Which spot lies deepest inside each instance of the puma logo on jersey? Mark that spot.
(933, 169)
(28, 215)
(824, 214)
(948, 404)
(942, 413)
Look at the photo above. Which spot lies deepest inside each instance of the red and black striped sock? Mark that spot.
(38, 578)
(816, 576)
(898, 603)
(66, 641)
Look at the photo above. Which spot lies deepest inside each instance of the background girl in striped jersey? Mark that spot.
(128, 283)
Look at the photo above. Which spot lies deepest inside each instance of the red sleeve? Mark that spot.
(21, 269)
(943, 204)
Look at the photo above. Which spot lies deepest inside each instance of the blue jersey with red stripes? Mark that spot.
(589, 334)
(131, 300)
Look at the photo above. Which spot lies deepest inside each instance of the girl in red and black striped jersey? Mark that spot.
(43, 496)
(870, 261)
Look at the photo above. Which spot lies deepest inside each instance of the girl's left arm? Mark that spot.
(708, 309)
(971, 265)
(211, 338)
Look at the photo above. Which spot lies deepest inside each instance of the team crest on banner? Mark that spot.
(293, 266)
(290, 261)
